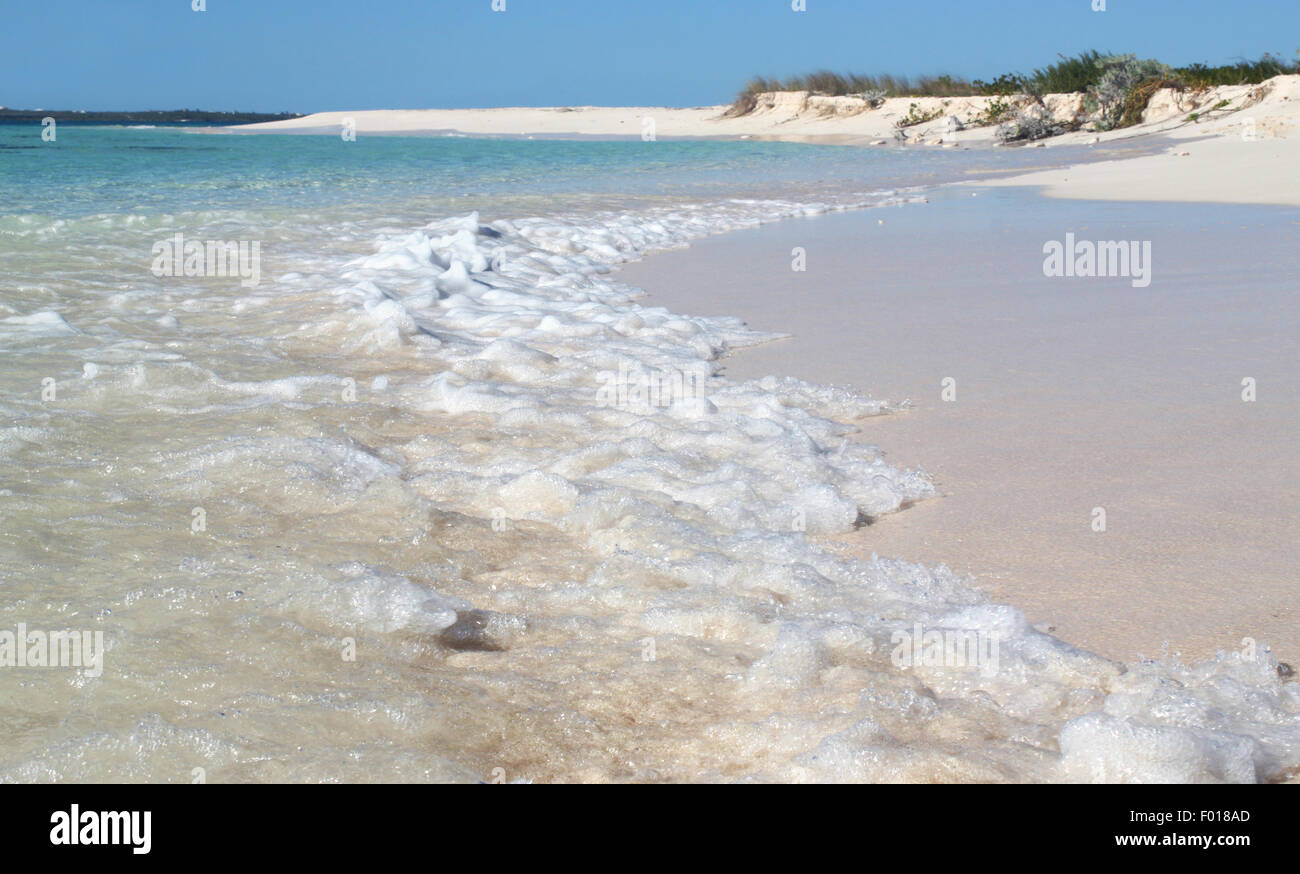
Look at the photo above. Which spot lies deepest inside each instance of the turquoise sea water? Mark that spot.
(89, 170)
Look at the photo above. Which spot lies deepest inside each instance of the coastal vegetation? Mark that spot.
(1115, 89)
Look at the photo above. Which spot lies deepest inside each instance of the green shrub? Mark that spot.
(1003, 86)
(915, 116)
(997, 111)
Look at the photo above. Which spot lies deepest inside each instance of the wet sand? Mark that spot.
(1071, 394)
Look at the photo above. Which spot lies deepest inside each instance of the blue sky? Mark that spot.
(311, 55)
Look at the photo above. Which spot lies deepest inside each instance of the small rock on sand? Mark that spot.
(483, 631)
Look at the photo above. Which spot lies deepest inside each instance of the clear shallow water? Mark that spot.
(90, 170)
(416, 506)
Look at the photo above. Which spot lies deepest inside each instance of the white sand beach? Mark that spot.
(803, 117)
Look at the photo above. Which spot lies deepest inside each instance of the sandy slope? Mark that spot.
(785, 116)
(801, 116)
(1244, 152)
(1250, 155)
(1223, 169)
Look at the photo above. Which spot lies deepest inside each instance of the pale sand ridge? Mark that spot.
(1245, 152)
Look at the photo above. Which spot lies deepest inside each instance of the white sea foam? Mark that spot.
(542, 571)
(42, 324)
(701, 521)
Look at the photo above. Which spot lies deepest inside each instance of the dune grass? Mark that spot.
(1069, 75)
(870, 88)
(837, 85)
(1242, 73)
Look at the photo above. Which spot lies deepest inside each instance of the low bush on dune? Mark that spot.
(1116, 88)
(1123, 89)
(1003, 86)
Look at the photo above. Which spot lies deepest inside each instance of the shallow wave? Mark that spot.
(560, 542)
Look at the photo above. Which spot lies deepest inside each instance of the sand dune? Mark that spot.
(1242, 152)
(807, 117)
